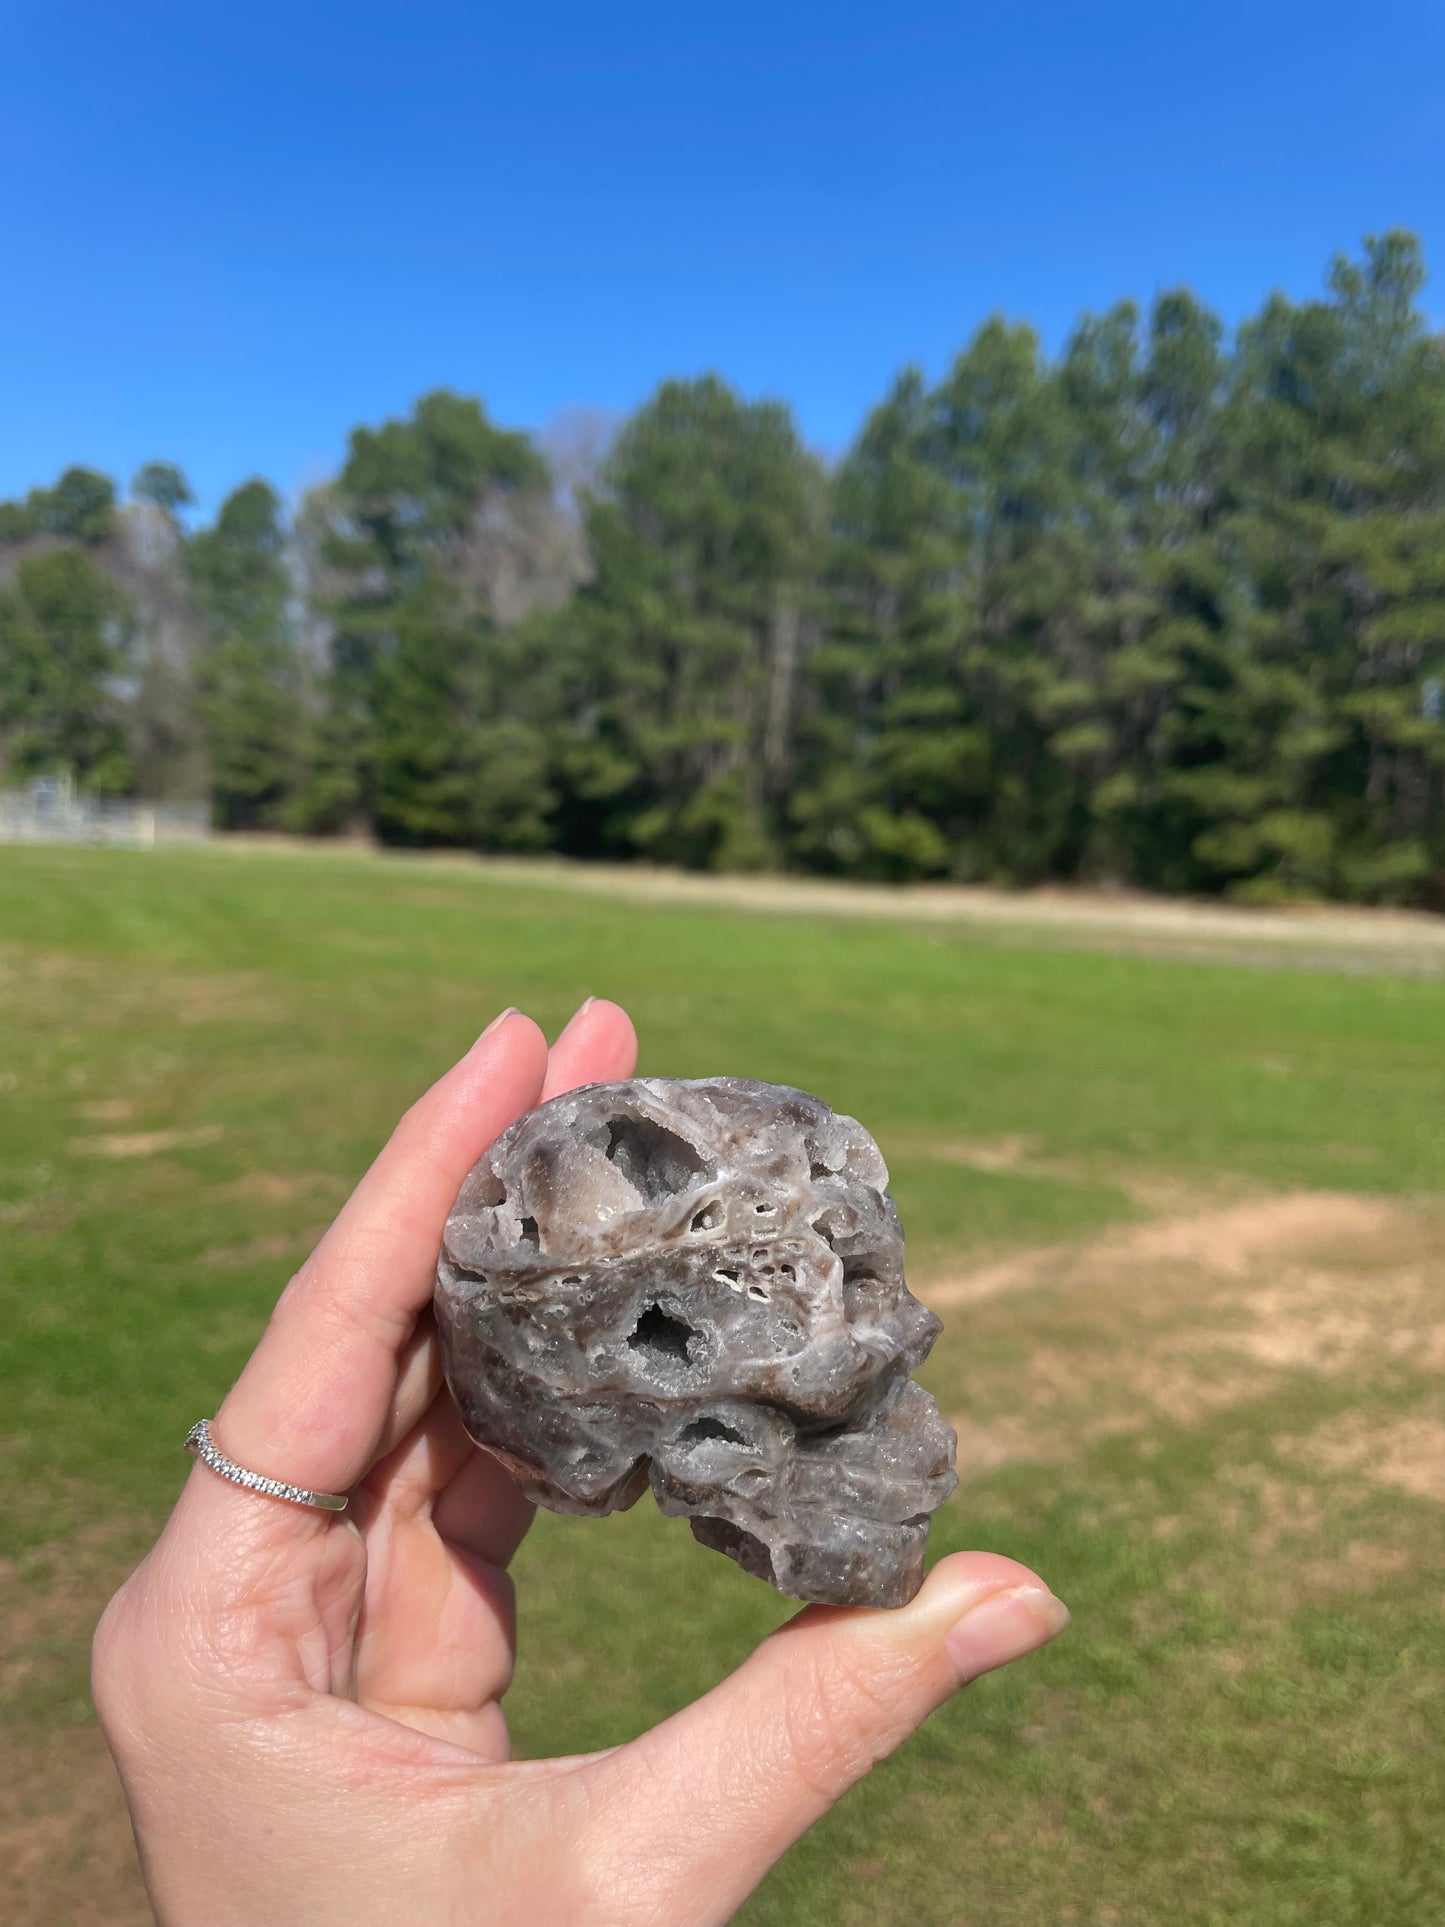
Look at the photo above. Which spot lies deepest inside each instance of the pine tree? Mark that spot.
(693, 631)
(429, 523)
(62, 650)
(252, 682)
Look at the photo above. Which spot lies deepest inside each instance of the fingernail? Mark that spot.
(1002, 1627)
(577, 1015)
(500, 1019)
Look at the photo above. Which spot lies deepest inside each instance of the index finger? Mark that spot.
(312, 1401)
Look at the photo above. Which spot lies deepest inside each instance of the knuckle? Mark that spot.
(112, 1648)
(851, 1711)
(326, 1290)
(297, 1285)
(351, 1316)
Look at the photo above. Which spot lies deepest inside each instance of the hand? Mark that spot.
(305, 1707)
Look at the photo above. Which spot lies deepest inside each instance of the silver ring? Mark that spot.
(198, 1440)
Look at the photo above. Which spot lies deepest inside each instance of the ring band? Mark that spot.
(199, 1441)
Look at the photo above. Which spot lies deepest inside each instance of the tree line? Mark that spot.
(1165, 609)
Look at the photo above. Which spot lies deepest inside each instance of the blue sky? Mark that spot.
(228, 233)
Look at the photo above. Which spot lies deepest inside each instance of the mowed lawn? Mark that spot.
(1185, 1223)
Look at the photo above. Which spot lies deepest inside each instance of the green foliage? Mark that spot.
(1336, 530)
(438, 736)
(1151, 614)
(690, 637)
(61, 633)
(411, 488)
(1165, 610)
(162, 484)
(251, 676)
(80, 508)
(451, 764)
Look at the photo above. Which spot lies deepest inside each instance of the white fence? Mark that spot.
(49, 811)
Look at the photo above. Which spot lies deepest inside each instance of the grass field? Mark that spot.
(1185, 1223)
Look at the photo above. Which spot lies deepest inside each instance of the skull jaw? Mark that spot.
(846, 1562)
(820, 1556)
(838, 1518)
(842, 1521)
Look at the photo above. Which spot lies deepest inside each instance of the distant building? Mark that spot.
(48, 810)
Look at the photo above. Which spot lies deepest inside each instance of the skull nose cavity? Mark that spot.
(707, 1430)
(766, 1274)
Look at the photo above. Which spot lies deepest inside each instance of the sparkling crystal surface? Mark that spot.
(697, 1285)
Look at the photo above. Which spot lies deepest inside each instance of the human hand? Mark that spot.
(305, 1707)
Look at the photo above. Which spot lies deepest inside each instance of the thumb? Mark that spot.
(707, 1801)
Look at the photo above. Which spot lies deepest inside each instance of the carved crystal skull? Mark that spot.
(698, 1285)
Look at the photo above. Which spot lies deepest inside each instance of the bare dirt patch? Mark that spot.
(50, 1211)
(282, 1187)
(107, 1110)
(269, 1249)
(1234, 1240)
(1225, 1240)
(118, 995)
(1292, 1540)
(1013, 1152)
(1333, 937)
(1405, 1451)
(52, 1595)
(1321, 937)
(1171, 1321)
(66, 1854)
(146, 1144)
(1015, 1155)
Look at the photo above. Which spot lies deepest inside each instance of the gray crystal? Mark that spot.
(698, 1285)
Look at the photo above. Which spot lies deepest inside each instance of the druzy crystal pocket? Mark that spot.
(697, 1285)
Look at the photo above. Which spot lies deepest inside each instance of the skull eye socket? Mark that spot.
(864, 1293)
(663, 1339)
(656, 1161)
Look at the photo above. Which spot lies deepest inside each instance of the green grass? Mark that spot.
(1223, 1736)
